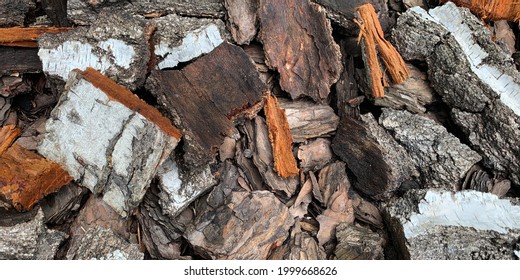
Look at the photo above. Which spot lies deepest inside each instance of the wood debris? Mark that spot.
(374, 42)
(26, 36)
(242, 19)
(8, 134)
(26, 177)
(492, 9)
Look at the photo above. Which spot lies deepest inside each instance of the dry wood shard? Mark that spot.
(205, 96)
(26, 36)
(108, 139)
(492, 9)
(281, 139)
(26, 177)
(8, 133)
(375, 43)
(308, 63)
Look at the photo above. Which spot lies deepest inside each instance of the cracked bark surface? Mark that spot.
(12, 12)
(474, 77)
(115, 141)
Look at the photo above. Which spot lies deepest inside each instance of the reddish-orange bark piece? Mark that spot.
(121, 94)
(26, 177)
(26, 36)
(8, 133)
(492, 9)
(281, 138)
(375, 43)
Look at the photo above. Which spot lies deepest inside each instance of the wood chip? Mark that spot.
(8, 133)
(26, 177)
(492, 9)
(374, 42)
(281, 139)
(26, 36)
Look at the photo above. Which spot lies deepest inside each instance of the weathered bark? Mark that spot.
(473, 225)
(308, 120)
(30, 240)
(62, 205)
(378, 163)
(12, 12)
(26, 177)
(84, 12)
(116, 45)
(308, 63)
(206, 95)
(280, 138)
(492, 9)
(315, 155)
(479, 180)
(8, 134)
(242, 19)
(300, 246)
(504, 36)
(347, 90)
(108, 139)
(358, 243)
(259, 221)
(473, 76)
(19, 60)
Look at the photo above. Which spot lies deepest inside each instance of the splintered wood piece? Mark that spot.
(492, 9)
(308, 63)
(108, 139)
(206, 96)
(280, 137)
(26, 36)
(374, 43)
(8, 133)
(26, 177)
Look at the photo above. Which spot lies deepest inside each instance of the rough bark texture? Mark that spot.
(56, 10)
(84, 12)
(309, 120)
(308, 63)
(441, 158)
(482, 92)
(8, 134)
(315, 155)
(116, 45)
(206, 95)
(58, 207)
(473, 225)
(12, 12)
(108, 139)
(372, 156)
(358, 243)
(26, 177)
(20, 60)
(232, 223)
(30, 240)
(300, 246)
(242, 21)
(280, 137)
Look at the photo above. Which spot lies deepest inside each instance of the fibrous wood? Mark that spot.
(358, 243)
(26, 36)
(205, 96)
(8, 133)
(26, 177)
(281, 138)
(375, 44)
(491, 9)
(308, 63)
(108, 139)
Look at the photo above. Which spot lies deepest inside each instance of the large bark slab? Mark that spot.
(108, 139)
(308, 63)
(472, 224)
(205, 96)
(473, 76)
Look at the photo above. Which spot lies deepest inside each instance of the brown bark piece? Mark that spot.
(281, 139)
(315, 155)
(8, 133)
(242, 19)
(492, 9)
(358, 243)
(12, 12)
(298, 43)
(26, 177)
(56, 10)
(26, 36)
(372, 36)
(205, 96)
(21, 60)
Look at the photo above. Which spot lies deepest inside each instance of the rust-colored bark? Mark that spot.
(26, 36)
(26, 177)
(492, 9)
(281, 139)
(375, 43)
(8, 133)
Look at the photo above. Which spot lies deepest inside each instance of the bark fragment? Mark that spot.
(205, 96)
(12, 12)
(280, 137)
(26, 36)
(492, 9)
(19, 60)
(300, 246)
(60, 206)
(108, 139)
(309, 63)
(315, 155)
(358, 243)
(242, 19)
(8, 134)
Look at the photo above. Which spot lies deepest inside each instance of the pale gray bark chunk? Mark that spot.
(12, 12)
(242, 19)
(442, 160)
(116, 45)
(232, 223)
(308, 120)
(473, 75)
(436, 224)
(358, 243)
(180, 39)
(84, 12)
(30, 240)
(179, 189)
(103, 244)
(104, 145)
